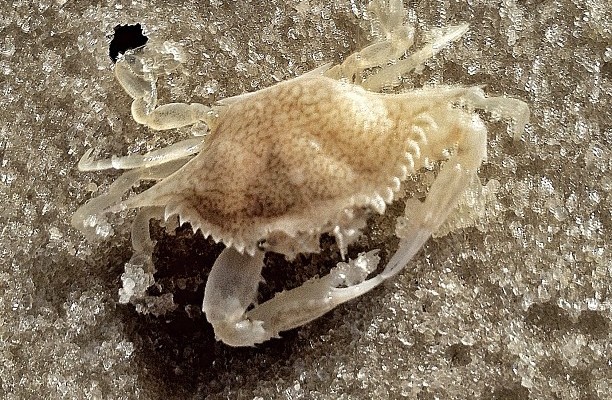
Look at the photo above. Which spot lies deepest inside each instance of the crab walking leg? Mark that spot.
(140, 85)
(173, 152)
(474, 98)
(505, 107)
(135, 291)
(141, 236)
(232, 287)
(390, 76)
(387, 20)
(422, 219)
(387, 16)
(88, 215)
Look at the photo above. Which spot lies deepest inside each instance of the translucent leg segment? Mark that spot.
(395, 38)
(139, 83)
(90, 219)
(173, 152)
(232, 288)
(390, 75)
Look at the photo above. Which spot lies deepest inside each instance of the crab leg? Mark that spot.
(387, 22)
(391, 75)
(173, 152)
(90, 215)
(232, 287)
(505, 107)
(142, 256)
(422, 219)
(453, 179)
(140, 85)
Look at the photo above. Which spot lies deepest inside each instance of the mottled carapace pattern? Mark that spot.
(294, 157)
(311, 155)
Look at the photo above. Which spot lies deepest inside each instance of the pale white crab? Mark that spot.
(285, 164)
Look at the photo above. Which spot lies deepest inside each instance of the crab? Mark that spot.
(281, 166)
